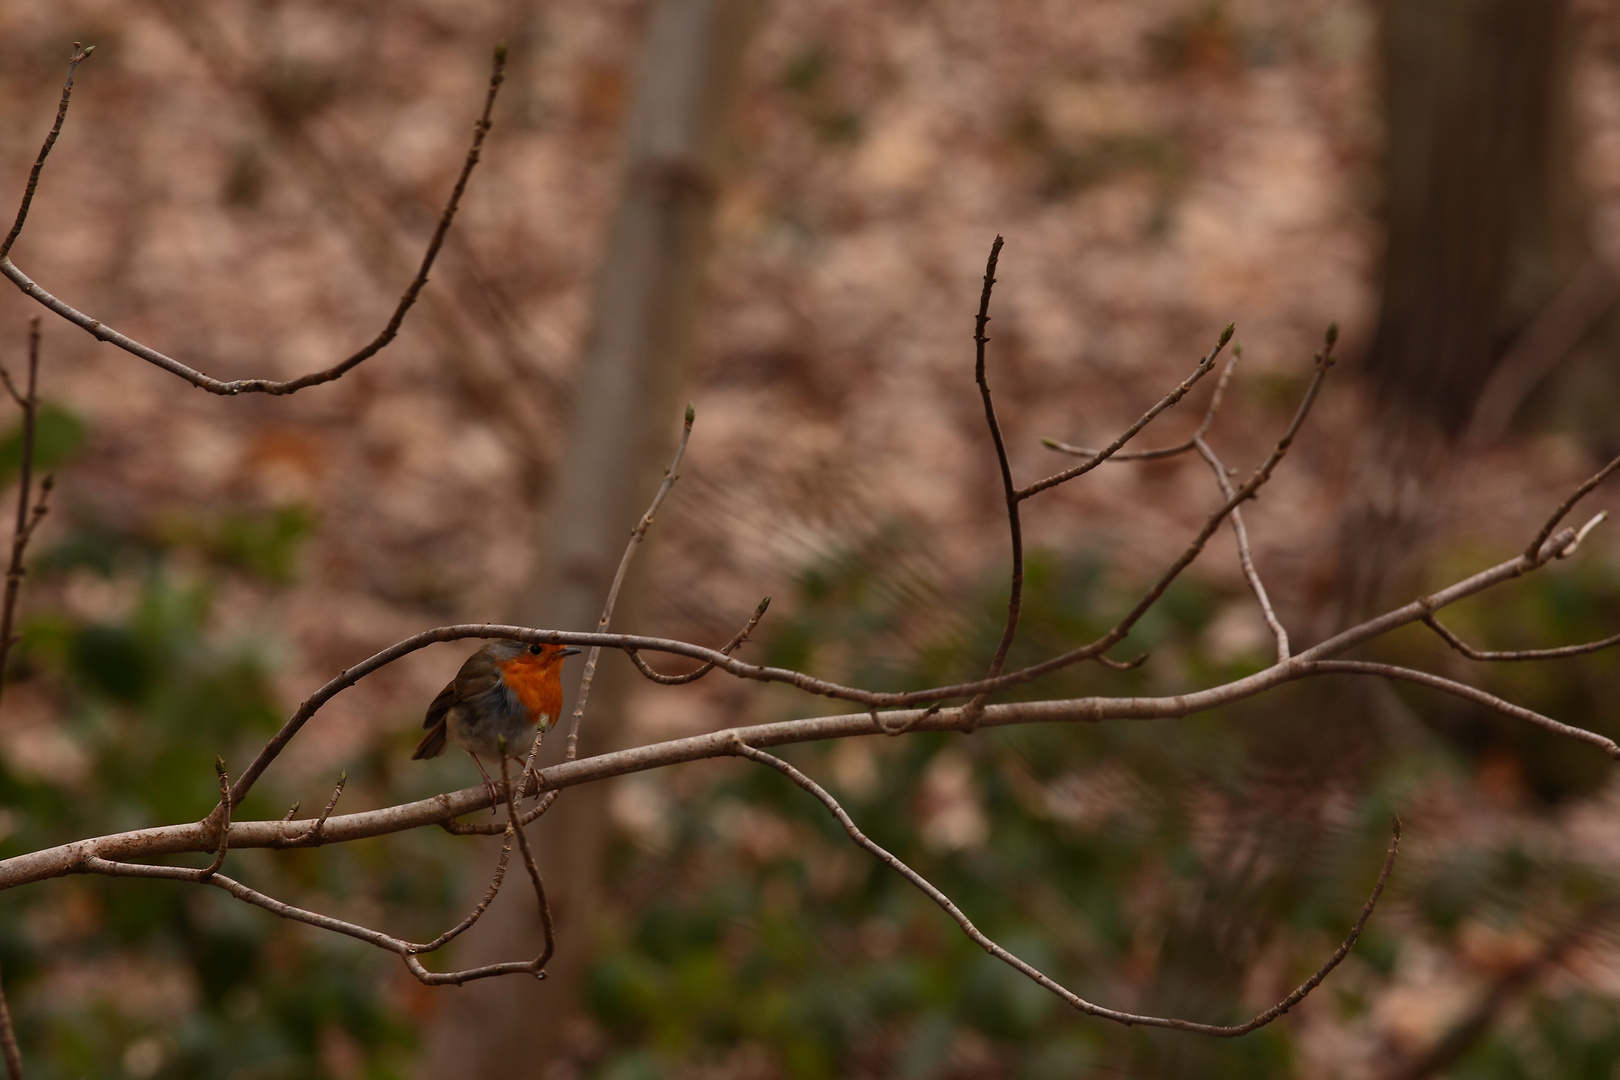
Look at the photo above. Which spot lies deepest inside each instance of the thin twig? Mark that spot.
(224, 824)
(1467, 693)
(408, 950)
(534, 875)
(670, 476)
(535, 967)
(1534, 550)
(1009, 490)
(312, 836)
(26, 520)
(102, 332)
(1245, 557)
(738, 640)
(78, 56)
(922, 884)
(1205, 366)
(1164, 451)
(1324, 363)
(483, 905)
(1518, 654)
(24, 529)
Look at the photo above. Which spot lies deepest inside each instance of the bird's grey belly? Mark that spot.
(479, 725)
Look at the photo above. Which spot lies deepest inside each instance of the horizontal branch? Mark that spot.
(1413, 612)
(200, 836)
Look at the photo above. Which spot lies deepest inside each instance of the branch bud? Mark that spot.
(1226, 335)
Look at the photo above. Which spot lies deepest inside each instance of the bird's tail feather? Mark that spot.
(432, 744)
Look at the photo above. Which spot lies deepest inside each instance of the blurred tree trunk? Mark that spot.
(626, 415)
(1486, 232)
(1486, 242)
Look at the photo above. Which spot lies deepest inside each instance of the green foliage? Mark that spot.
(58, 436)
(119, 978)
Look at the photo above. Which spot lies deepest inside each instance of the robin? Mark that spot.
(505, 691)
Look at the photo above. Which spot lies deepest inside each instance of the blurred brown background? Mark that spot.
(247, 184)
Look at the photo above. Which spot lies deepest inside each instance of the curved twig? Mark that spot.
(1205, 366)
(1534, 550)
(1009, 490)
(1518, 654)
(230, 388)
(738, 641)
(312, 836)
(1468, 693)
(1028, 970)
(79, 55)
(1164, 451)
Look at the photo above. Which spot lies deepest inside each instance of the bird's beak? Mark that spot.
(570, 651)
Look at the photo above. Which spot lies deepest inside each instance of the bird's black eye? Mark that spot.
(535, 649)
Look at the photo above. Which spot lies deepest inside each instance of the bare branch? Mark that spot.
(740, 639)
(1015, 528)
(483, 904)
(1245, 557)
(1165, 451)
(1519, 654)
(1534, 551)
(535, 967)
(742, 749)
(24, 528)
(408, 950)
(1468, 693)
(26, 521)
(78, 56)
(1062, 710)
(1324, 362)
(670, 476)
(230, 388)
(1204, 367)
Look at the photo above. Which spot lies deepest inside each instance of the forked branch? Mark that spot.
(887, 858)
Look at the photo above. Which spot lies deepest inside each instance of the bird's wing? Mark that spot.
(441, 705)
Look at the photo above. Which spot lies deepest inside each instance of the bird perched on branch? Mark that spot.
(504, 697)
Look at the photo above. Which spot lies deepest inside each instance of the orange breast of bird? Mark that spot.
(537, 682)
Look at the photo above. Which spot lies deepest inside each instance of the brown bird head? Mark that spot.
(503, 653)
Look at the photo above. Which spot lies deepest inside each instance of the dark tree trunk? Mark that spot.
(1485, 224)
(1487, 248)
